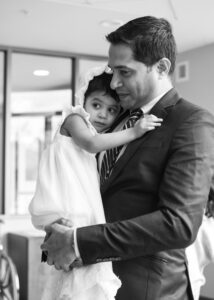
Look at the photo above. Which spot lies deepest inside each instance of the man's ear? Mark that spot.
(163, 66)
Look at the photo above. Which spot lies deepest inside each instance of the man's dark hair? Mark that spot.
(101, 83)
(149, 38)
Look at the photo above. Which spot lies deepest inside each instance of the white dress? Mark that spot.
(200, 254)
(68, 186)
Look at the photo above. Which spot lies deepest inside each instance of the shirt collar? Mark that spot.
(147, 108)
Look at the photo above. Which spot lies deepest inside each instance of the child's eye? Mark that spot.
(96, 105)
(113, 111)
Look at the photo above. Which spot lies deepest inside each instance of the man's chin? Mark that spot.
(125, 106)
(125, 102)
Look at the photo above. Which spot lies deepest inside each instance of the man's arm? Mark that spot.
(182, 196)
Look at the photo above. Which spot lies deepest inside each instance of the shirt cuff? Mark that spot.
(76, 249)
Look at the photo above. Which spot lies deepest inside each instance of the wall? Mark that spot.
(208, 289)
(1, 121)
(199, 89)
(16, 224)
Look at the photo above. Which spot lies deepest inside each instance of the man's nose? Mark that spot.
(115, 81)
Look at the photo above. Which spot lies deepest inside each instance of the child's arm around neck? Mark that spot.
(77, 128)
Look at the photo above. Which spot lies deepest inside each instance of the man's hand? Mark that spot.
(59, 246)
(62, 221)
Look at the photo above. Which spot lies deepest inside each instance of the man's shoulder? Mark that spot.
(189, 108)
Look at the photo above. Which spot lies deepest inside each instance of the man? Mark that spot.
(155, 193)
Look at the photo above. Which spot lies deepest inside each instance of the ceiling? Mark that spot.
(74, 26)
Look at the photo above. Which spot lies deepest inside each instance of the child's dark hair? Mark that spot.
(101, 83)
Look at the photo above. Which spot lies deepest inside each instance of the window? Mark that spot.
(37, 101)
(31, 114)
(182, 71)
(85, 65)
(1, 120)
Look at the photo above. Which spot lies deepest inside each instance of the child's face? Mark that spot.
(103, 110)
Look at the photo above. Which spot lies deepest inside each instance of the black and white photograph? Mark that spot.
(106, 150)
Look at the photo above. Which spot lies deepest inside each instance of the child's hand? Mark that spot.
(147, 123)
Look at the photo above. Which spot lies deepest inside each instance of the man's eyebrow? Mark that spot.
(120, 67)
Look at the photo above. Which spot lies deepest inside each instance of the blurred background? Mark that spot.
(45, 48)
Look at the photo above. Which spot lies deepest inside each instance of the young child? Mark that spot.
(201, 252)
(68, 184)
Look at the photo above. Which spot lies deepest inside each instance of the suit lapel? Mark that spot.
(168, 100)
(159, 110)
(120, 118)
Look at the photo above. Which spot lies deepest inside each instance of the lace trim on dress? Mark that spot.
(80, 95)
(79, 110)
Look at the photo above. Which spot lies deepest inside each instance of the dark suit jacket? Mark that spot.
(154, 202)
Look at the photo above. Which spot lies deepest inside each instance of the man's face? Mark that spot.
(134, 82)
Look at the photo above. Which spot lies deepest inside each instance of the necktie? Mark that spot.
(111, 155)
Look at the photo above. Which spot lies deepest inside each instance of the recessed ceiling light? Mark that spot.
(24, 11)
(41, 73)
(111, 23)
